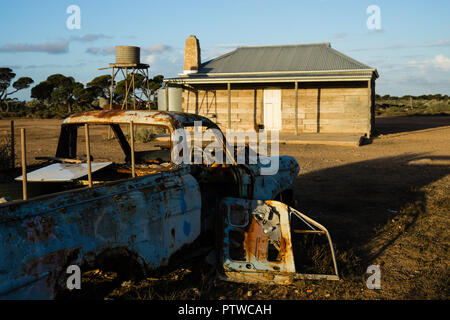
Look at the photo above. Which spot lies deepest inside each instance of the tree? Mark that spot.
(119, 90)
(58, 89)
(437, 96)
(101, 86)
(103, 83)
(86, 95)
(6, 76)
(140, 85)
(62, 95)
(156, 83)
(22, 83)
(59, 80)
(42, 91)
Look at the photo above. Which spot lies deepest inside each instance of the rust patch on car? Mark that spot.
(39, 228)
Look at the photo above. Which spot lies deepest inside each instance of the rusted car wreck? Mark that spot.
(150, 207)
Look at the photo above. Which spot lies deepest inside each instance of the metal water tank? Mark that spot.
(175, 99)
(128, 54)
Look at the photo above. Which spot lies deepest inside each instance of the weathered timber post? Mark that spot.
(296, 107)
(88, 154)
(24, 163)
(13, 142)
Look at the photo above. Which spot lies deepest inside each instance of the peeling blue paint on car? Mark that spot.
(186, 228)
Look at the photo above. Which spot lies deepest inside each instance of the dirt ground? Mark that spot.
(385, 203)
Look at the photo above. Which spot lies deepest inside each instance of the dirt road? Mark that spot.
(385, 203)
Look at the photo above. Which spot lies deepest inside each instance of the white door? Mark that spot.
(272, 109)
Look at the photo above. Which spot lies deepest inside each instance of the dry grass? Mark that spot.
(5, 153)
(403, 107)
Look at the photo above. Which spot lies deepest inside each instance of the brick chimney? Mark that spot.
(192, 59)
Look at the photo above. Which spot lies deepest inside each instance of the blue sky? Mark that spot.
(411, 50)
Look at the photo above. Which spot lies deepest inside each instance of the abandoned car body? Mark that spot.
(146, 206)
(257, 244)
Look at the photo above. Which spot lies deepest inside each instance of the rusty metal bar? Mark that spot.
(309, 231)
(13, 151)
(306, 276)
(68, 160)
(308, 220)
(24, 163)
(133, 167)
(294, 276)
(88, 154)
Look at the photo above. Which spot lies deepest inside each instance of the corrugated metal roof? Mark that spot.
(272, 77)
(282, 58)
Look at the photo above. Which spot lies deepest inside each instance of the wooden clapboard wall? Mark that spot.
(345, 107)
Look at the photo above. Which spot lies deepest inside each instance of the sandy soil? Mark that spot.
(385, 203)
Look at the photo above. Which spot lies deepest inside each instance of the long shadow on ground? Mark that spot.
(355, 201)
(388, 125)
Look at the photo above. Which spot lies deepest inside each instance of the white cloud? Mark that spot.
(101, 51)
(89, 37)
(48, 47)
(157, 48)
(434, 44)
(56, 47)
(150, 59)
(440, 62)
(413, 75)
(93, 50)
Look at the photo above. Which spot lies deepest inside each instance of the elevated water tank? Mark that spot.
(128, 54)
(175, 99)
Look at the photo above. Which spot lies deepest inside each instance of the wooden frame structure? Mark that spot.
(128, 69)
